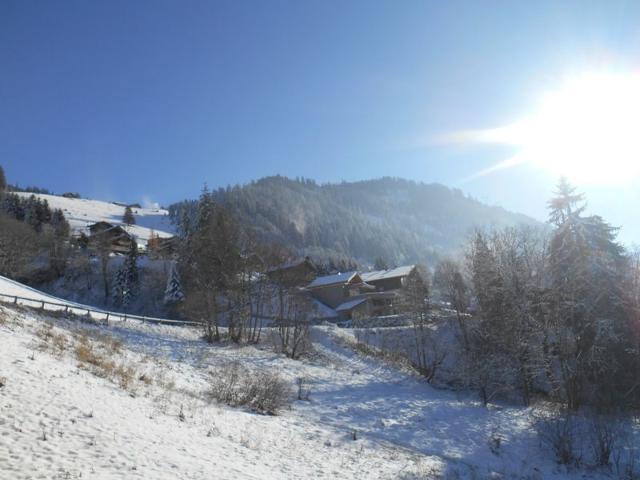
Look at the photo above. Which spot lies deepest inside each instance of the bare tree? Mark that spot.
(449, 281)
(416, 304)
(293, 324)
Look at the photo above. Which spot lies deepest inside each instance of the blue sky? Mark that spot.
(150, 99)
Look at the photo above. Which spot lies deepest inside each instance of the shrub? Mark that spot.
(560, 433)
(262, 391)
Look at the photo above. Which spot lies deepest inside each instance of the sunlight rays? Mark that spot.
(588, 130)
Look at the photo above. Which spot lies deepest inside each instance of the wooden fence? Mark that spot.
(90, 312)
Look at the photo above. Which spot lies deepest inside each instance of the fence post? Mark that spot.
(15, 300)
(107, 319)
(42, 307)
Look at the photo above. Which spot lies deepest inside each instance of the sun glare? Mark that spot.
(588, 130)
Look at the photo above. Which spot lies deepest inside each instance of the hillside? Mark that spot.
(81, 212)
(398, 220)
(82, 399)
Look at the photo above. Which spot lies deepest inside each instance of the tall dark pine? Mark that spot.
(173, 293)
(210, 262)
(3, 181)
(131, 281)
(128, 217)
(587, 270)
(566, 203)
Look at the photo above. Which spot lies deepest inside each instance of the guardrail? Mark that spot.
(93, 313)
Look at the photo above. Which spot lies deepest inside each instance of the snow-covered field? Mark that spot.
(62, 418)
(81, 213)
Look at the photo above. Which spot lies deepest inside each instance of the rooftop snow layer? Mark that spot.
(384, 274)
(346, 306)
(332, 279)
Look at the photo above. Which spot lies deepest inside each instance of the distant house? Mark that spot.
(115, 236)
(359, 295)
(293, 274)
(162, 247)
(334, 290)
(390, 279)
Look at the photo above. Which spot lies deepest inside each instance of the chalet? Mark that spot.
(391, 279)
(116, 237)
(162, 247)
(359, 295)
(335, 290)
(293, 274)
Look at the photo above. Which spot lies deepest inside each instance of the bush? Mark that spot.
(560, 433)
(592, 439)
(237, 385)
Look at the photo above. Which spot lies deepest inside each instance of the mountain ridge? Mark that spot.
(398, 220)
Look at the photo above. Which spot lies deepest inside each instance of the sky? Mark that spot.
(148, 100)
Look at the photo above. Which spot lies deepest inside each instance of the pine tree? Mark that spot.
(173, 293)
(587, 268)
(3, 181)
(566, 203)
(126, 283)
(380, 264)
(118, 287)
(131, 281)
(128, 217)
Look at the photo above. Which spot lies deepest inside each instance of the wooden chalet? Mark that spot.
(360, 295)
(293, 274)
(118, 239)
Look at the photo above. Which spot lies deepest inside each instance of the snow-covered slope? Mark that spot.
(60, 417)
(9, 288)
(81, 213)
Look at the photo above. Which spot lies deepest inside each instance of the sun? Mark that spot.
(587, 130)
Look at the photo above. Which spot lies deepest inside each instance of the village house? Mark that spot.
(293, 274)
(115, 236)
(356, 295)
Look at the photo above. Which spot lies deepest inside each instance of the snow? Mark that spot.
(332, 279)
(81, 212)
(95, 429)
(348, 305)
(390, 273)
(10, 288)
(30, 297)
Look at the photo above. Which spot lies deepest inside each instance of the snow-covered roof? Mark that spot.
(332, 279)
(291, 264)
(346, 306)
(384, 274)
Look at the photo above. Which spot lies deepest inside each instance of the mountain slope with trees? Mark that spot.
(393, 219)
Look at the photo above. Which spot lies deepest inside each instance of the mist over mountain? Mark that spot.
(398, 220)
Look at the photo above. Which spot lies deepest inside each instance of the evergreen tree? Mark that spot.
(118, 287)
(59, 246)
(60, 225)
(128, 217)
(380, 264)
(13, 206)
(587, 274)
(3, 181)
(131, 280)
(126, 282)
(173, 293)
(566, 203)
